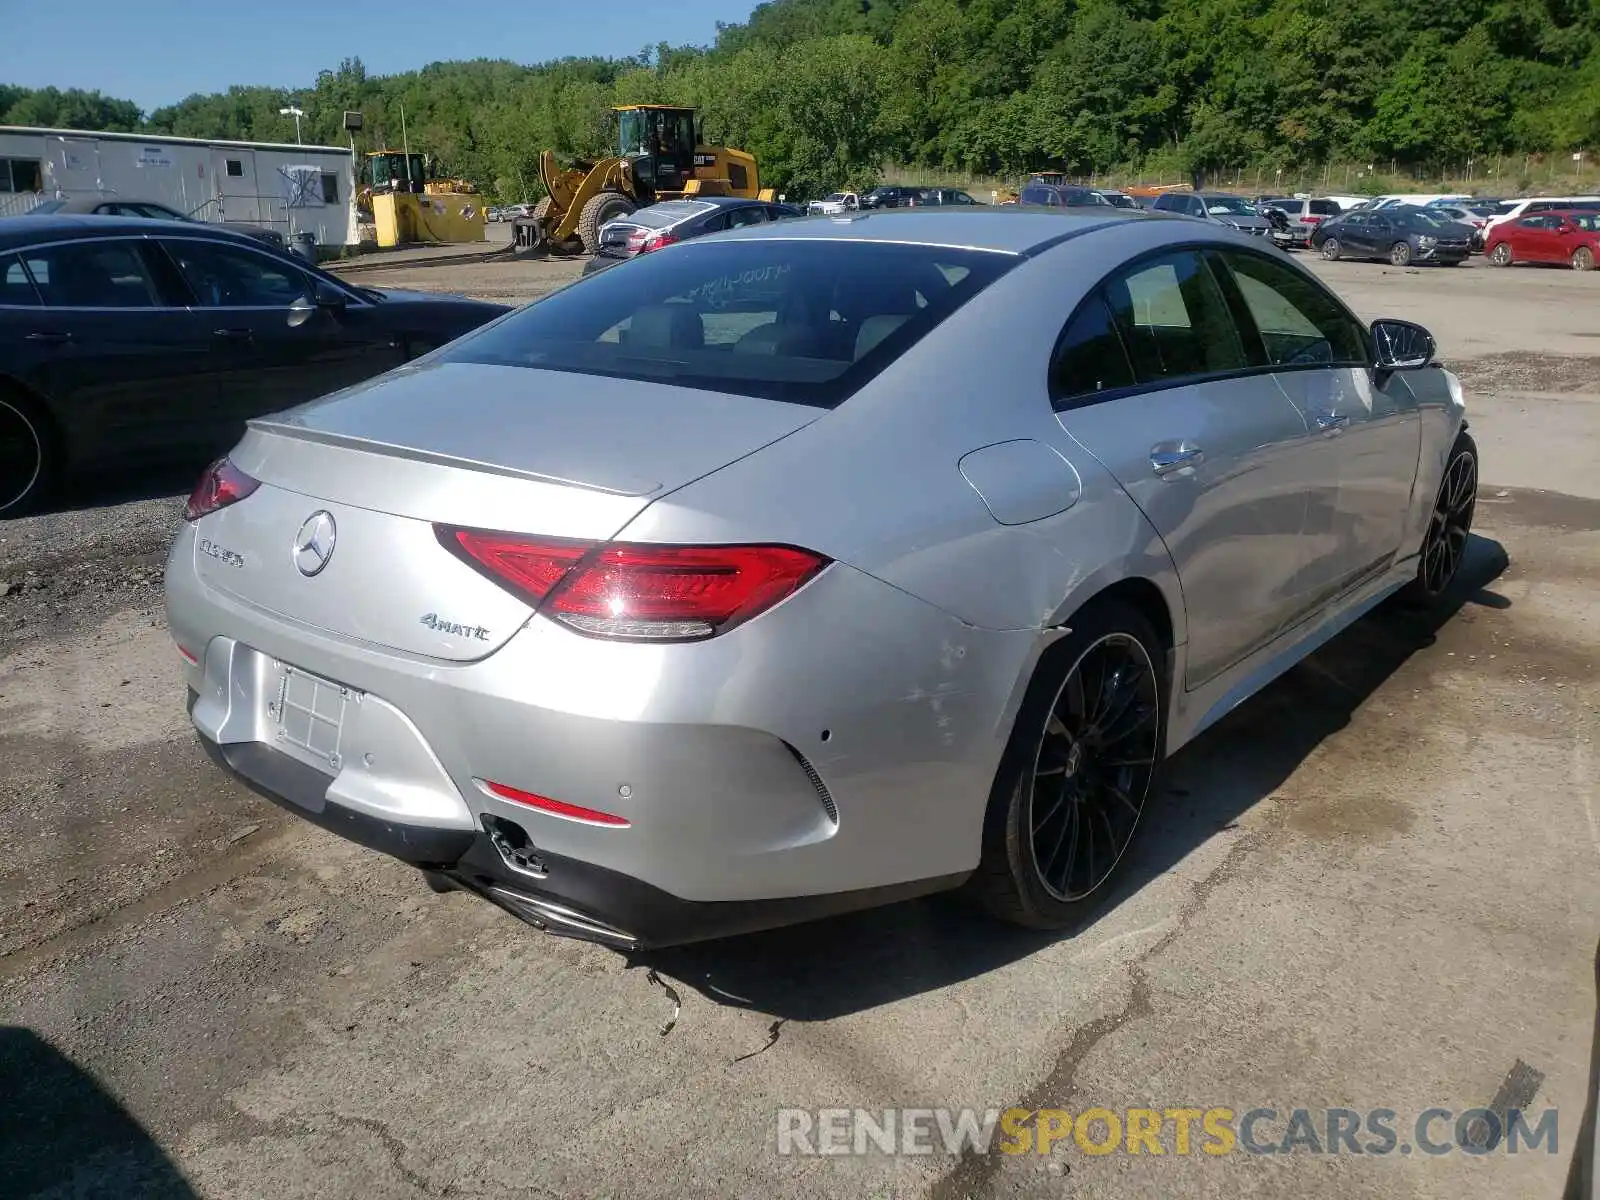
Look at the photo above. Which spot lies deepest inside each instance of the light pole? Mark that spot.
(296, 113)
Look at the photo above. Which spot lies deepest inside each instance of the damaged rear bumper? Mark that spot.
(557, 894)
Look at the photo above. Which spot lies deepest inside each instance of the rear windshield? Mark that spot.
(801, 320)
(668, 212)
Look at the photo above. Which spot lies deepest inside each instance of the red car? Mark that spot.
(1569, 235)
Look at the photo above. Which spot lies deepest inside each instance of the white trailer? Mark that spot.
(293, 189)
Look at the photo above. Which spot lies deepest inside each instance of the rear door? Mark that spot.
(1152, 378)
(264, 357)
(1361, 457)
(112, 346)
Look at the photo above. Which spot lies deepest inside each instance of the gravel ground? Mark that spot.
(1375, 885)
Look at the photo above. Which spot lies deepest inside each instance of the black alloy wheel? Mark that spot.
(1072, 790)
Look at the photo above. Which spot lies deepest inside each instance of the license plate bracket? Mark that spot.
(309, 715)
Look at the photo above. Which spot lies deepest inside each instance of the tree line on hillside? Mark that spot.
(825, 92)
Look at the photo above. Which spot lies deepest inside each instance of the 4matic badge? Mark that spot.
(221, 553)
(433, 622)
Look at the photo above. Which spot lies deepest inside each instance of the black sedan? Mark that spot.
(677, 221)
(1401, 234)
(122, 206)
(128, 342)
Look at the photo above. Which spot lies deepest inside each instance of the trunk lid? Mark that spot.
(513, 449)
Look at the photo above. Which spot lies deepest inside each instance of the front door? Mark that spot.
(264, 358)
(1211, 456)
(1361, 457)
(238, 190)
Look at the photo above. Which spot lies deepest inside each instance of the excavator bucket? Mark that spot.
(555, 221)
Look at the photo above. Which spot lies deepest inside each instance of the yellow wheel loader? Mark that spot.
(659, 157)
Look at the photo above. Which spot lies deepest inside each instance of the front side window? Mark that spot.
(1173, 319)
(109, 274)
(230, 277)
(806, 321)
(1299, 323)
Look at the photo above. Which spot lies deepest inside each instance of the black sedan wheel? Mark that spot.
(1330, 249)
(1400, 254)
(26, 456)
(1079, 771)
(1444, 546)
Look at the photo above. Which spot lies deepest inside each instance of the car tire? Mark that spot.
(1043, 869)
(1500, 256)
(1583, 259)
(1400, 254)
(1444, 545)
(1330, 249)
(29, 455)
(597, 210)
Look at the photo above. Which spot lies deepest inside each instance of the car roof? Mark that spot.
(1012, 231)
(59, 227)
(721, 201)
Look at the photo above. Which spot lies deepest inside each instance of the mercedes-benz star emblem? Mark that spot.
(313, 545)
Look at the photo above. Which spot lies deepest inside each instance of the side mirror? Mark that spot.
(301, 311)
(325, 295)
(1400, 345)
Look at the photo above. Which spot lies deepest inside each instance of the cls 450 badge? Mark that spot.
(221, 553)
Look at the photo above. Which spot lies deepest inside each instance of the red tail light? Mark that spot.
(1313, 219)
(524, 566)
(639, 593)
(221, 485)
(650, 241)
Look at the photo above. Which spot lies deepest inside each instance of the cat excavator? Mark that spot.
(659, 156)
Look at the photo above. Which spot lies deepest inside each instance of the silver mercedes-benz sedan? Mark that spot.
(815, 565)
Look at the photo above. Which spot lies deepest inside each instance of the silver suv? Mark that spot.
(1219, 208)
(1304, 215)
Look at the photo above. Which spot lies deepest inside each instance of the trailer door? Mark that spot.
(74, 165)
(238, 193)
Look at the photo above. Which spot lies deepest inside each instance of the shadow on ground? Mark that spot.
(847, 964)
(61, 1132)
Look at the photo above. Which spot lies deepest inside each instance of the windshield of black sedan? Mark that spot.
(802, 320)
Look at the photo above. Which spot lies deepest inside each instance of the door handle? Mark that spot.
(1167, 457)
(49, 335)
(237, 335)
(1331, 422)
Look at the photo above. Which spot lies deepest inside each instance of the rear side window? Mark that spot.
(801, 320)
(1324, 208)
(1173, 319)
(1299, 324)
(1037, 195)
(1090, 358)
(92, 275)
(1168, 203)
(16, 290)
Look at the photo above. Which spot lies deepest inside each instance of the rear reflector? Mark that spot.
(636, 592)
(189, 657)
(573, 812)
(222, 484)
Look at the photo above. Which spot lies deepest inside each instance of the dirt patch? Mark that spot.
(1362, 816)
(1521, 372)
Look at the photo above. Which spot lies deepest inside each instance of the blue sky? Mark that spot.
(156, 52)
